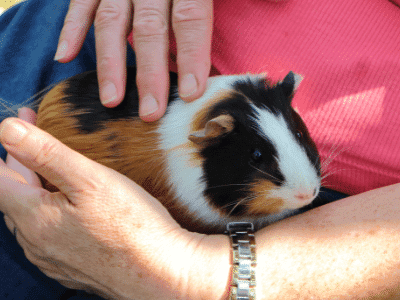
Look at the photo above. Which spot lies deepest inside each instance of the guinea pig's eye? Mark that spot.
(256, 155)
(299, 134)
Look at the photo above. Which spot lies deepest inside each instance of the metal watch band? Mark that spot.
(243, 278)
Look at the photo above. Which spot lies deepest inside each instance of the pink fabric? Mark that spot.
(349, 55)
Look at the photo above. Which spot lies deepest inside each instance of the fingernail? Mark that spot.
(148, 106)
(109, 92)
(12, 132)
(188, 86)
(61, 50)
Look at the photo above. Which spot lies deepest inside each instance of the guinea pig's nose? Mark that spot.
(303, 196)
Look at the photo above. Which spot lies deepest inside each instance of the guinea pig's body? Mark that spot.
(238, 153)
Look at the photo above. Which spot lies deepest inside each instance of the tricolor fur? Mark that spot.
(240, 152)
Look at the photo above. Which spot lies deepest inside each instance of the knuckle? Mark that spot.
(108, 14)
(148, 77)
(47, 154)
(77, 15)
(105, 62)
(71, 25)
(149, 22)
(190, 49)
(78, 4)
(148, 70)
(190, 11)
(35, 259)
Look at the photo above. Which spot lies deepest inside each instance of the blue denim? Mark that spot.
(29, 35)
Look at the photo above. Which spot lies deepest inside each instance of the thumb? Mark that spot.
(37, 150)
(31, 178)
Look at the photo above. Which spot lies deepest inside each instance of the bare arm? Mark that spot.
(104, 233)
(349, 249)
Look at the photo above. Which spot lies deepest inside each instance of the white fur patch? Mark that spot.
(174, 131)
(300, 175)
(186, 178)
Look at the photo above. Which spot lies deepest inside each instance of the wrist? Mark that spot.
(206, 273)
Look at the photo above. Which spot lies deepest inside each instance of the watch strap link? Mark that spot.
(243, 279)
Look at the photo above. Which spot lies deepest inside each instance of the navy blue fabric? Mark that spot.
(28, 40)
(29, 35)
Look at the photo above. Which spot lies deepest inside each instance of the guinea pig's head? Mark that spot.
(257, 155)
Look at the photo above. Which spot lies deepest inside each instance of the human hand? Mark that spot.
(192, 25)
(101, 232)
(25, 175)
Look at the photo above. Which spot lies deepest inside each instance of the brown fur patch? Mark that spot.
(195, 159)
(130, 147)
(198, 123)
(213, 131)
(203, 115)
(263, 204)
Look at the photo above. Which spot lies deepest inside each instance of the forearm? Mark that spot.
(349, 249)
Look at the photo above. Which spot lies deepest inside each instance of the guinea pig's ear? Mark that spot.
(290, 83)
(213, 130)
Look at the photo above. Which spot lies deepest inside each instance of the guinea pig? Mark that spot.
(238, 153)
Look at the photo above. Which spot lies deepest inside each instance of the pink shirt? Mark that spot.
(349, 55)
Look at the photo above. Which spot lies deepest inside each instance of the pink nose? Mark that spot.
(303, 197)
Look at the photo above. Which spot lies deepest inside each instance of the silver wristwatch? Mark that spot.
(243, 279)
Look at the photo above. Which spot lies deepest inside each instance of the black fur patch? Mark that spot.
(82, 91)
(230, 166)
(263, 95)
(278, 99)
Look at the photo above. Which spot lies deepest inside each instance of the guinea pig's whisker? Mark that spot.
(265, 173)
(227, 185)
(246, 199)
(11, 109)
(331, 172)
(7, 108)
(240, 201)
(332, 156)
(235, 203)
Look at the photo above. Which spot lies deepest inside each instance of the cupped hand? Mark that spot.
(101, 232)
(191, 21)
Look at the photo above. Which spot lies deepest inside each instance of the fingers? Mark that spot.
(112, 25)
(39, 151)
(10, 174)
(112, 20)
(17, 197)
(31, 178)
(192, 24)
(150, 39)
(76, 25)
(9, 223)
(27, 115)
